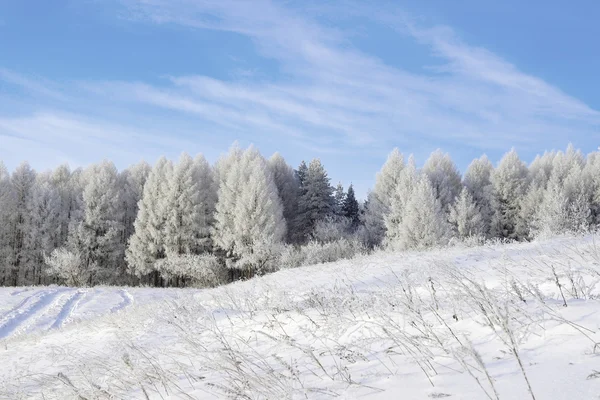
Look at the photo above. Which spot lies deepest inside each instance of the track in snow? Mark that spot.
(126, 301)
(40, 309)
(20, 291)
(24, 312)
(67, 309)
(18, 306)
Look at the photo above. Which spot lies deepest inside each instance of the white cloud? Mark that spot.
(34, 86)
(330, 97)
(47, 138)
(356, 99)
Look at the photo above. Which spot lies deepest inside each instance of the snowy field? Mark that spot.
(501, 322)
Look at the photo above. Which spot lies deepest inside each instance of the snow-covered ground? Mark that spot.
(458, 323)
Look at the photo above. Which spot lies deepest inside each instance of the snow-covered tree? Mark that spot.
(229, 182)
(131, 183)
(316, 201)
(68, 188)
(147, 244)
(380, 199)
(288, 187)
(22, 182)
(578, 190)
(339, 196)
(249, 223)
(566, 200)
(563, 163)
(191, 200)
(96, 237)
(465, 216)
(478, 181)
(398, 202)
(331, 229)
(550, 217)
(510, 183)
(592, 176)
(200, 270)
(541, 169)
(301, 173)
(531, 209)
(6, 204)
(444, 177)
(565, 205)
(68, 266)
(373, 230)
(43, 227)
(424, 222)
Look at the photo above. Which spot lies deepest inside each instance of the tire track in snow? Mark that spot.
(18, 306)
(21, 315)
(126, 301)
(40, 321)
(17, 292)
(67, 309)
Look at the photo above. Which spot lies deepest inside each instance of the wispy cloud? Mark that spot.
(328, 95)
(34, 86)
(51, 137)
(357, 99)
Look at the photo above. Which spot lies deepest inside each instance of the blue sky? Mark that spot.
(84, 80)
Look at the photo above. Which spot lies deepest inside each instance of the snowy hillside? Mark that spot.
(501, 322)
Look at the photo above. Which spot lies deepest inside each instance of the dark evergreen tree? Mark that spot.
(339, 198)
(301, 173)
(316, 199)
(350, 207)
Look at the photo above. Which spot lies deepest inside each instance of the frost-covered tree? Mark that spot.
(6, 204)
(563, 163)
(339, 196)
(229, 182)
(541, 169)
(398, 201)
(424, 222)
(566, 201)
(68, 188)
(147, 244)
(43, 228)
(301, 173)
(592, 176)
(531, 209)
(203, 270)
(478, 181)
(96, 237)
(288, 187)
(68, 266)
(380, 199)
(316, 201)
(510, 183)
(249, 223)
(444, 177)
(550, 217)
(465, 216)
(131, 183)
(22, 182)
(190, 207)
(564, 206)
(373, 230)
(578, 190)
(332, 229)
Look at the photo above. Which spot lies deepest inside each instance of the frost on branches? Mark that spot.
(192, 223)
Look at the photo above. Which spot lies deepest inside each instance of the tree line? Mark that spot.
(190, 223)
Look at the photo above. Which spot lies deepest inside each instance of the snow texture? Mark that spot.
(457, 323)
